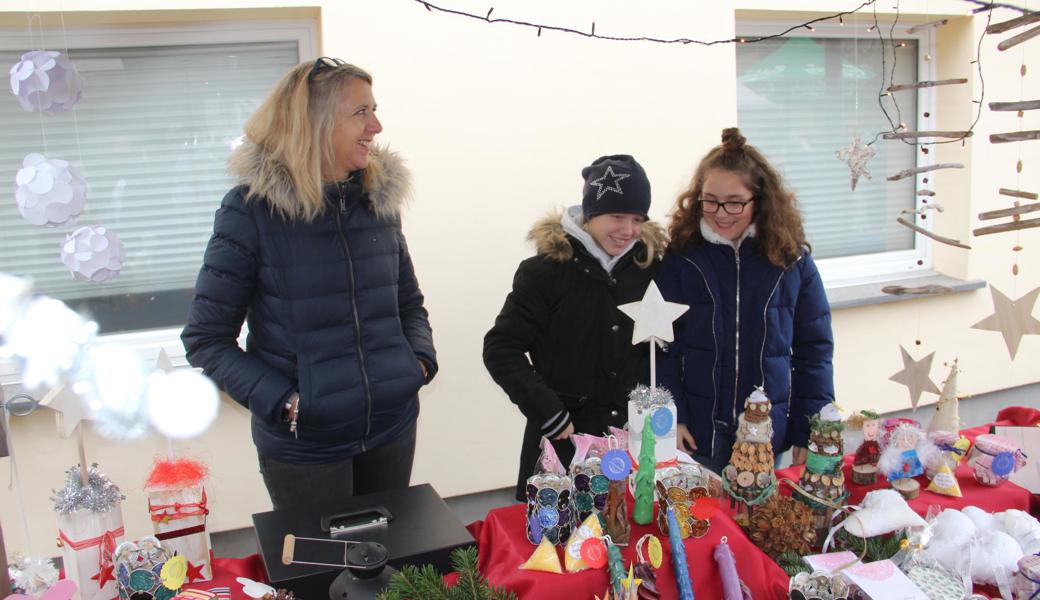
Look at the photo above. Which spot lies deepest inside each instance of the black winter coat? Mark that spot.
(562, 312)
(334, 312)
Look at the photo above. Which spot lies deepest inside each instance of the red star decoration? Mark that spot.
(195, 572)
(104, 575)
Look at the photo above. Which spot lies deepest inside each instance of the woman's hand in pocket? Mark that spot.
(684, 440)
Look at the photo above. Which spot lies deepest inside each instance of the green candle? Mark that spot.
(644, 509)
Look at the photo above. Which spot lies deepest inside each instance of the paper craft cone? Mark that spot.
(946, 417)
(544, 558)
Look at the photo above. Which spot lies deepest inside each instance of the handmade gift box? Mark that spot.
(177, 505)
(90, 526)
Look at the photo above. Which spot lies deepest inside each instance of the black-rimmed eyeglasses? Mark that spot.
(322, 63)
(732, 207)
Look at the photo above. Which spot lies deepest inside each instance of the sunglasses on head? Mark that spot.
(322, 63)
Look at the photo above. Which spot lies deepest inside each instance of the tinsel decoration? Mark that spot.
(93, 254)
(99, 495)
(45, 80)
(856, 156)
(646, 398)
(48, 191)
(32, 575)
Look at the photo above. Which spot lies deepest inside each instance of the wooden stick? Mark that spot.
(1012, 106)
(934, 236)
(1018, 194)
(1025, 36)
(910, 135)
(911, 172)
(1012, 226)
(1009, 212)
(1013, 23)
(82, 455)
(1014, 136)
(898, 290)
(924, 26)
(925, 193)
(924, 84)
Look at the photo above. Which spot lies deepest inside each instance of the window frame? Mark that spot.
(894, 265)
(305, 32)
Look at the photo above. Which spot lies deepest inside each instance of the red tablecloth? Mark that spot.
(504, 547)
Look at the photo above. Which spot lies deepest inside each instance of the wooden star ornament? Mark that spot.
(653, 316)
(1012, 318)
(915, 376)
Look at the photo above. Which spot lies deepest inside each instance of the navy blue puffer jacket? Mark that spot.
(334, 312)
(750, 323)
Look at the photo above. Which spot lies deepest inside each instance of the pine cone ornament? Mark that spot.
(782, 524)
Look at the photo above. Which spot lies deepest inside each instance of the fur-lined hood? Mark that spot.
(386, 179)
(550, 239)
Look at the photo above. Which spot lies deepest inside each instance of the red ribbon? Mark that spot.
(178, 510)
(106, 543)
(177, 533)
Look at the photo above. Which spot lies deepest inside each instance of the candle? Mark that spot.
(728, 571)
(675, 542)
(616, 564)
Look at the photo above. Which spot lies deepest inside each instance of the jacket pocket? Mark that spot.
(572, 401)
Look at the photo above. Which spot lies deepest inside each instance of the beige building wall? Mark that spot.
(496, 124)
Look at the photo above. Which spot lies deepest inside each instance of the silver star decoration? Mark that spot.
(856, 155)
(653, 315)
(613, 186)
(915, 376)
(1012, 318)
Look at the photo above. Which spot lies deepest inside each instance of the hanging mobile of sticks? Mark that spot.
(918, 170)
(911, 135)
(1013, 23)
(1014, 136)
(900, 87)
(1013, 106)
(1013, 41)
(1014, 212)
(935, 236)
(930, 25)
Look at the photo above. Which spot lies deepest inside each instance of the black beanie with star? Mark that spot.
(615, 184)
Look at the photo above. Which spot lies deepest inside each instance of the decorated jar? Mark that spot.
(994, 458)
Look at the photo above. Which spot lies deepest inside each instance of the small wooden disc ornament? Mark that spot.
(907, 487)
(864, 474)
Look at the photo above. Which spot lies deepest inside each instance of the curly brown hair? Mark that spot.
(778, 223)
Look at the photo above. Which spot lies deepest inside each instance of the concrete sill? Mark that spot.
(870, 293)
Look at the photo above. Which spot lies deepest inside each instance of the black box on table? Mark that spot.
(420, 529)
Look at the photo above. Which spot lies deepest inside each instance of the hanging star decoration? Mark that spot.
(856, 155)
(70, 409)
(613, 186)
(915, 376)
(653, 316)
(1012, 318)
(104, 575)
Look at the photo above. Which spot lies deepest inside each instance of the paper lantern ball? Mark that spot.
(48, 191)
(93, 253)
(47, 81)
(182, 404)
(112, 380)
(47, 340)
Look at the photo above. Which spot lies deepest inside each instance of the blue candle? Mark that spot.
(675, 542)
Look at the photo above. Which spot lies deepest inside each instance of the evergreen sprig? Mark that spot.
(425, 583)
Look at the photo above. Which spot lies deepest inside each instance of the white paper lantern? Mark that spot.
(182, 404)
(112, 380)
(47, 81)
(47, 341)
(92, 253)
(49, 192)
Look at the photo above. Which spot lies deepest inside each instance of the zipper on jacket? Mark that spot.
(765, 334)
(715, 365)
(357, 319)
(736, 365)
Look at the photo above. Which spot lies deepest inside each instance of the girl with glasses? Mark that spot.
(758, 311)
(308, 250)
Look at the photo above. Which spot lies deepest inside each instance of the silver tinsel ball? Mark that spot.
(49, 192)
(93, 253)
(98, 496)
(32, 576)
(47, 81)
(646, 397)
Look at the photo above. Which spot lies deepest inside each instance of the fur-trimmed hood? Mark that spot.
(386, 179)
(550, 239)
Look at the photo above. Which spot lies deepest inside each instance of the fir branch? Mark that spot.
(412, 583)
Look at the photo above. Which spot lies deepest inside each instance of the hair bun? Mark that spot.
(732, 139)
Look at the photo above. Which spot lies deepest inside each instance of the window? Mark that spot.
(799, 100)
(151, 135)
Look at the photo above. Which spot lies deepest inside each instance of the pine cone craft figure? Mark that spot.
(782, 524)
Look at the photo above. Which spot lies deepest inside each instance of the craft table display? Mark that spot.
(503, 547)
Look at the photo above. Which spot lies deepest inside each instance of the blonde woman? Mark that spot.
(308, 250)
